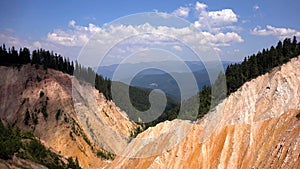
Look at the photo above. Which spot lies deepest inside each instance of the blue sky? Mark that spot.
(233, 28)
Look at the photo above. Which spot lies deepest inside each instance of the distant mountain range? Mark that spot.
(157, 79)
(108, 71)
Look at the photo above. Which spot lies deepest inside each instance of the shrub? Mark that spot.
(10, 141)
(105, 155)
(27, 117)
(136, 131)
(38, 78)
(42, 94)
(72, 164)
(58, 114)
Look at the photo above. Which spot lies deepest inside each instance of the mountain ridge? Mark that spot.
(240, 133)
(54, 101)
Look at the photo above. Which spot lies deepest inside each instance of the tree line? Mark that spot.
(46, 59)
(260, 63)
(237, 74)
(251, 67)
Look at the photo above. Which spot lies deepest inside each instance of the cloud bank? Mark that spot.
(280, 33)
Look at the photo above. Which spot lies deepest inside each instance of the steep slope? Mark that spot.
(255, 127)
(62, 112)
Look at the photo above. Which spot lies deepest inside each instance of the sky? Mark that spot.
(233, 29)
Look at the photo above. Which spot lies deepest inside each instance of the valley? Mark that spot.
(255, 124)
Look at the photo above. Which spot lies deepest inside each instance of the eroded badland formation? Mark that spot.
(255, 127)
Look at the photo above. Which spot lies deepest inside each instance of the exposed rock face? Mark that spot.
(62, 112)
(255, 127)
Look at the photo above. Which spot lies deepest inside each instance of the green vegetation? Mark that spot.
(10, 141)
(54, 61)
(25, 146)
(73, 164)
(139, 101)
(105, 154)
(237, 74)
(252, 67)
(256, 65)
(136, 131)
(27, 117)
(75, 128)
(58, 114)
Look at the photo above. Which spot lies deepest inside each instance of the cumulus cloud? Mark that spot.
(79, 35)
(182, 12)
(200, 6)
(223, 18)
(134, 38)
(280, 33)
(214, 21)
(217, 30)
(223, 39)
(75, 36)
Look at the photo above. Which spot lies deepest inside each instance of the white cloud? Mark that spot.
(200, 6)
(223, 39)
(182, 12)
(79, 35)
(256, 7)
(280, 33)
(76, 36)
(134, 38)
(177, 47)
(217, 28)
(214, 21)
(72, 23)
(223, 18)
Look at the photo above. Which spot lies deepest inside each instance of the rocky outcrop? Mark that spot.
(255, 127)
(67, 115)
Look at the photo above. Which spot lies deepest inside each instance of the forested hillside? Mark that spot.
(237, 74)
(252, 67)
